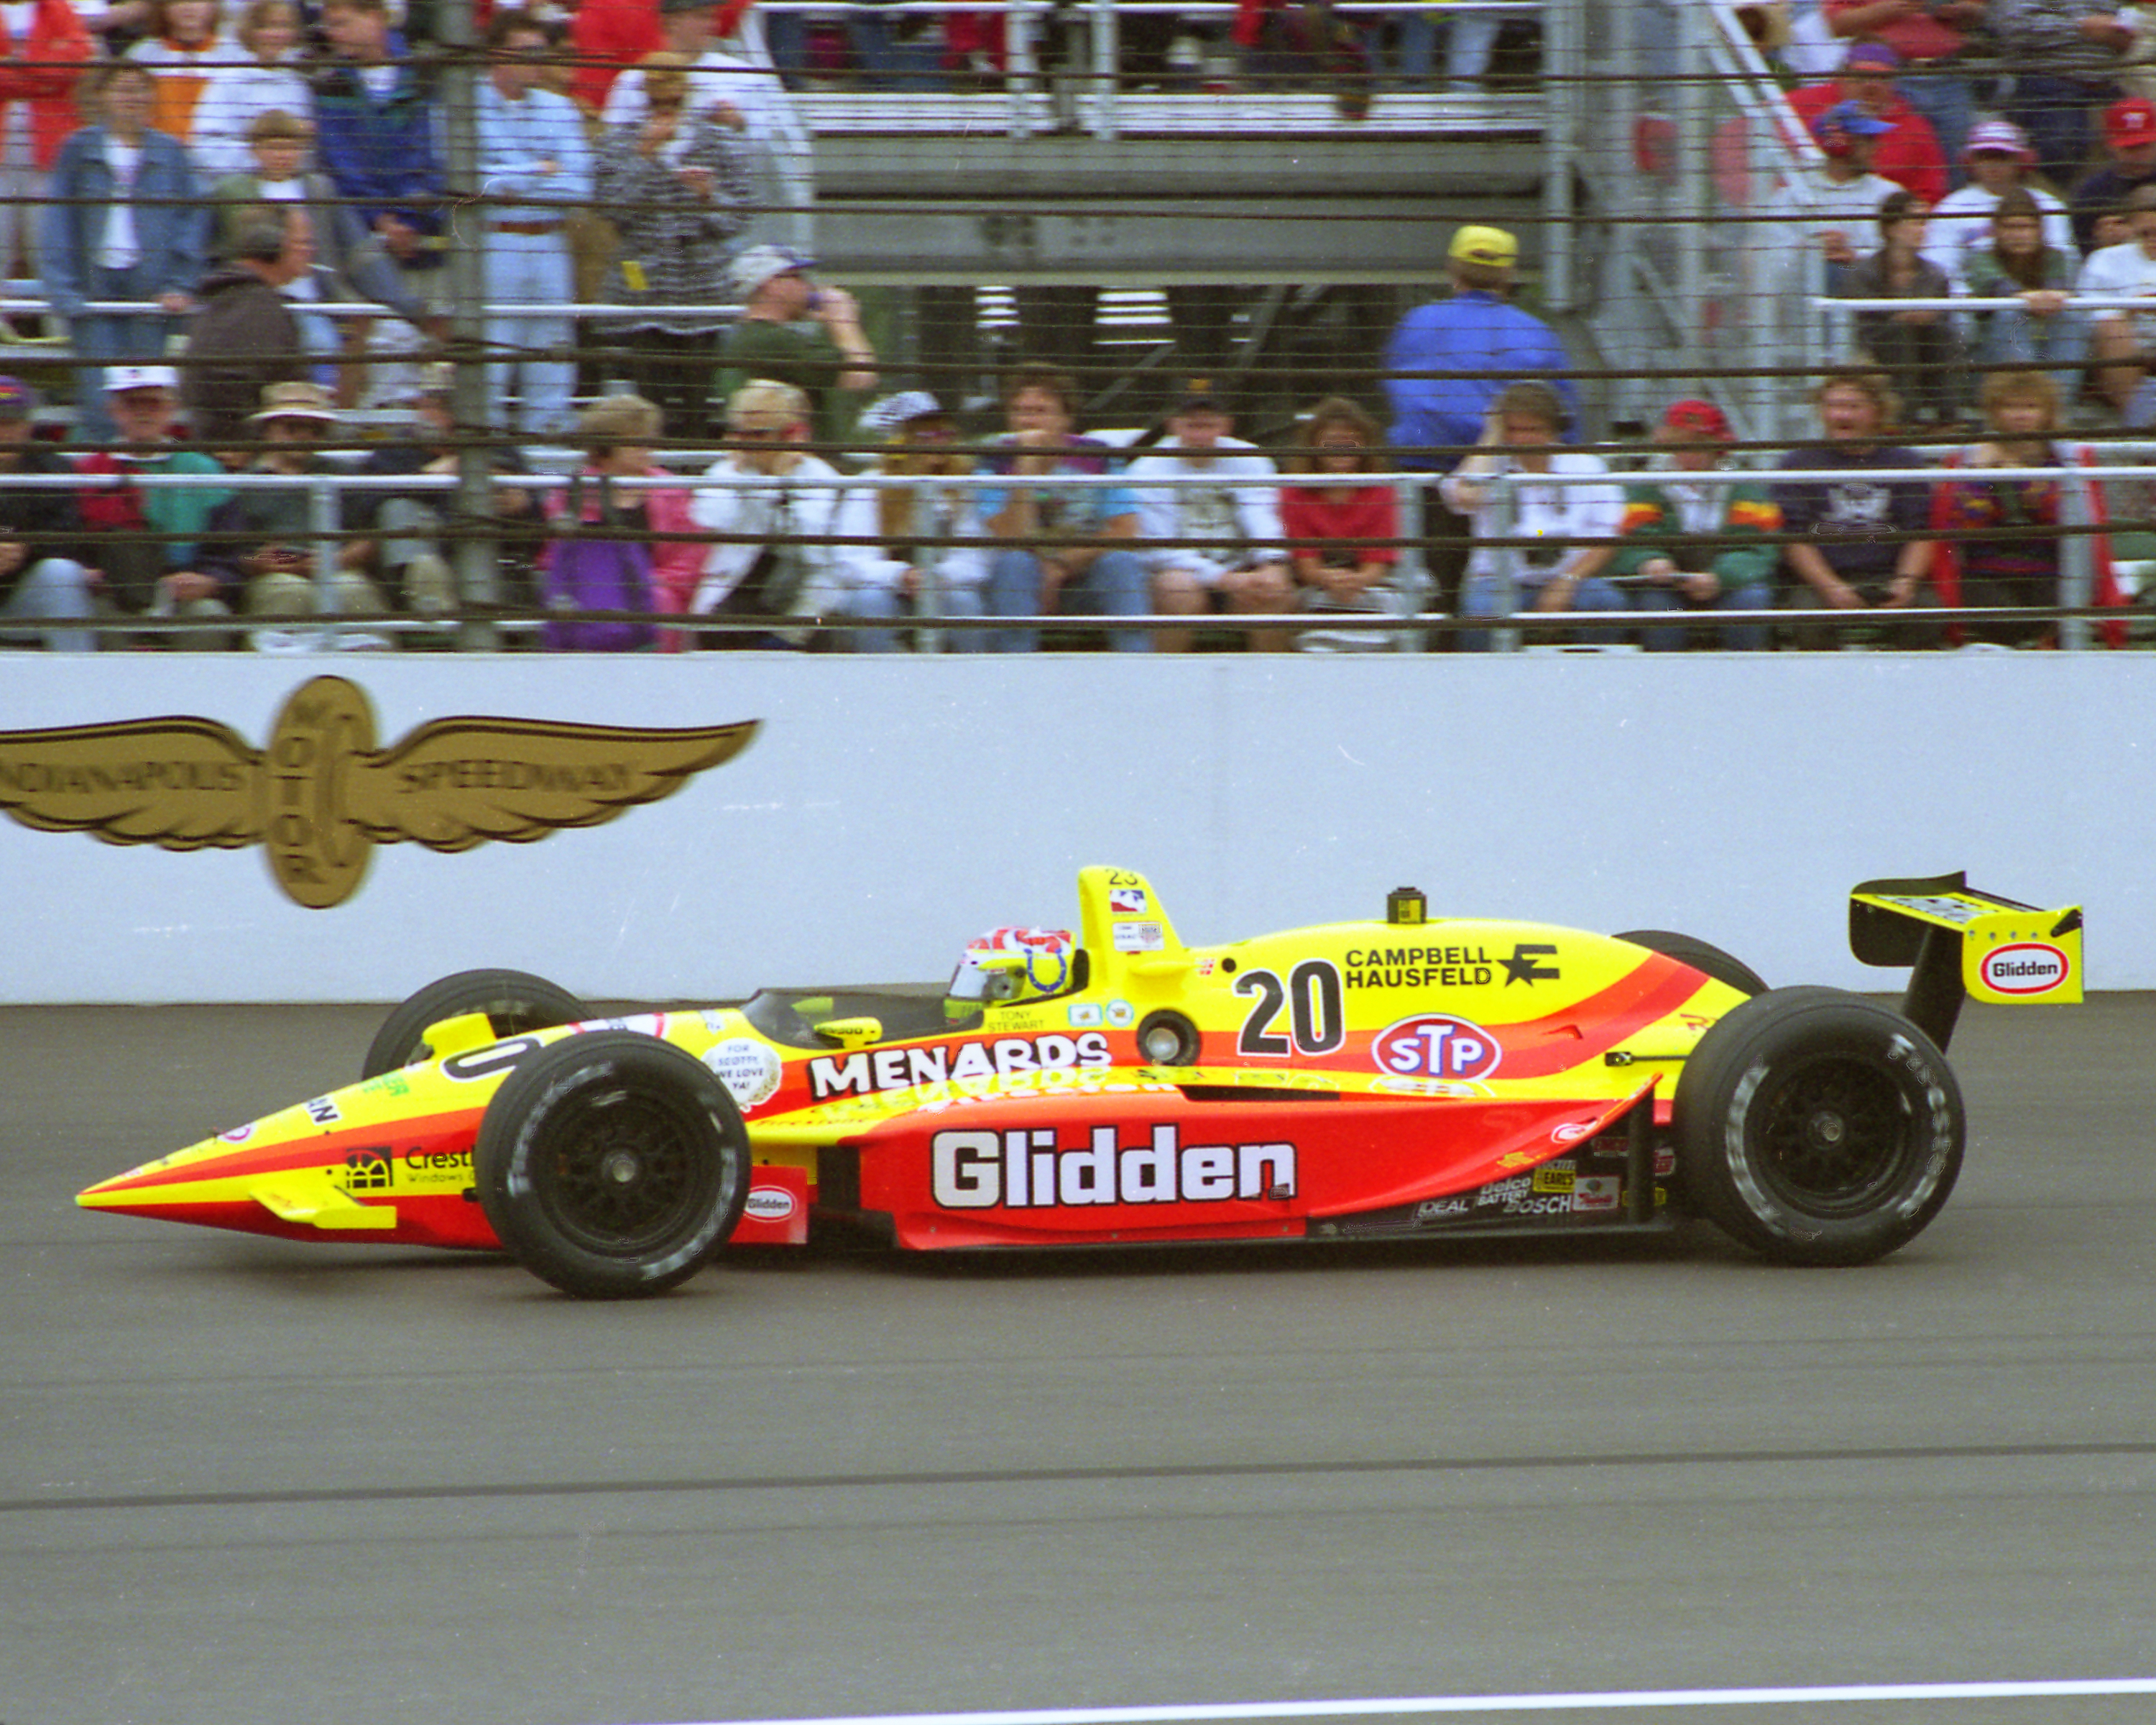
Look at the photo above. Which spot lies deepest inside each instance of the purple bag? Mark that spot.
(597, 567)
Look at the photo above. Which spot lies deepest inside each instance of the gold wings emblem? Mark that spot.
(322, 795)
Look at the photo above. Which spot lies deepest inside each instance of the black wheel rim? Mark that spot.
(1835, 1134)
(628, 1170)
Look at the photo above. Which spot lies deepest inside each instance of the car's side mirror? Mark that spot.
(851, 1032)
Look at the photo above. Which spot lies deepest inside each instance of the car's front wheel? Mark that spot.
(514, 1001)
(612, 1165)
(1818, 1127)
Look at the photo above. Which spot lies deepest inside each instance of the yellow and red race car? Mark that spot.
(1404, 1078)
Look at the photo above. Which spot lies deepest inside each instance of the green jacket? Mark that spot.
(1737, 549)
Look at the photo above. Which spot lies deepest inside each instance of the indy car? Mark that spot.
(1411, 1076)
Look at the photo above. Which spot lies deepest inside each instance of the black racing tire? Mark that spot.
(612, 1165)
(1818, 1127)
(1172, 1034)
(1707, 960)
(514, 1001)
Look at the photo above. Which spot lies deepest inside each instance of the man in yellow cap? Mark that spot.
(1444, 365)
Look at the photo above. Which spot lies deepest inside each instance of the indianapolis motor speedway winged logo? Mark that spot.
(322, 795)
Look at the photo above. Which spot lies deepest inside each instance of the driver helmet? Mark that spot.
(1011, 964)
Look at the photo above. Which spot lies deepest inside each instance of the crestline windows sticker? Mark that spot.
(321, 796)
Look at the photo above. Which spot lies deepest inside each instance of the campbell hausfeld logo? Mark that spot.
(321, 796)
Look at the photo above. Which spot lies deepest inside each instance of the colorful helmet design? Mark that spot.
(1008, 964)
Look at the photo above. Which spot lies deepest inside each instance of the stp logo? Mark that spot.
(1433, 1045)
(2024, 967)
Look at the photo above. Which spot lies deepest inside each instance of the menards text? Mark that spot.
(899, 1068)
(1027, 1169)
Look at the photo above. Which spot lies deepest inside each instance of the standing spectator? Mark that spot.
(619, 434)
(1065, 548)
(2129, 139)
(935, 579)
(1573, 527)
(186, 43)
(350, 264)
(265, 79)
(1694, 547)
(1230, 556)
(534, 165)
(2122, 340)
(246, 336)
(1931, 37)
(1918, 349)
(782, 513)
(1908, 153)
(2065, 54)
(1860, 544)
(375, 139)
(2022, 568)
(605, 36)
(1445, 364)
(261, 543)
(1999, 159)
(1333, 573)
(124, 222)
(43, 47)
(1844, 194)
(802, 332)
(1471, 42)
(42, 575)
(676, 182)
(2044, 330)
(146, 537)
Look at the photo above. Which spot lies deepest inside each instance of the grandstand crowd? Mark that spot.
(248, 389)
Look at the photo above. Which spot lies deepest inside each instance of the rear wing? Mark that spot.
(1965, 944)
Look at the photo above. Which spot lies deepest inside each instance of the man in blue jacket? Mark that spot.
(1445, 364)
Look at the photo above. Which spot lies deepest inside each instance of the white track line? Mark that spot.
(1609, 1699)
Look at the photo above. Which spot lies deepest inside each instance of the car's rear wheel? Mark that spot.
(1708, 960)
(514, 1001)
(612, 1165)
(1818, 1127)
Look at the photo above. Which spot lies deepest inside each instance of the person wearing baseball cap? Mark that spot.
(799, 332)
(2065, 55)
(1445, 364)
(1845, 192)
(42, 577)
(1999, 159)
(1910, 154)
(1689, 546)
(2129, 139)
(1931, 39)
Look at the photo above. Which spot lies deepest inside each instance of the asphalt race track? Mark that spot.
(244, 1481)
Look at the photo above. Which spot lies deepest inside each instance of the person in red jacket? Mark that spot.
(37, 73)
(1910, 155)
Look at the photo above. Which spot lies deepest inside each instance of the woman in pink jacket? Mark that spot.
(619, 433)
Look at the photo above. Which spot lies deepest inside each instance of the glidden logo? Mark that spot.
(2025, 967)
(1436, 1046)
(769, 1203)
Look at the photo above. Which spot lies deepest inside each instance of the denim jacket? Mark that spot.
(171, 227)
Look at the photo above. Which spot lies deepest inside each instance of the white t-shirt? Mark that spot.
(1244, 519)
(2124, 270)
(1568, 517)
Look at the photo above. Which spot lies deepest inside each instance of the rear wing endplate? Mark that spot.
(1961, 943)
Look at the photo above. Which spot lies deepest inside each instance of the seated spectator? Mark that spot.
(246, 335)
(1334, 576)
(1694, 547)
(1229, 556)
(1999, 159)
(1845, 196)
(2043, 330)
(145, 537)
(42, 576)
(1931, 36)
(1920, 349)
(413, 556)
(349, 265)
(124, 221)
(187, 44)
(677, 184)
(2065, 56)
(782, 512)
(1858, 545)
(934, 579)
(799, 332)
(2129, 141)
(1571, 528)
(2019, 568)
(619, 434)
(261, 543)
(1909, 153)
(265, 78)
(2121, 339)
(1065, 548)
